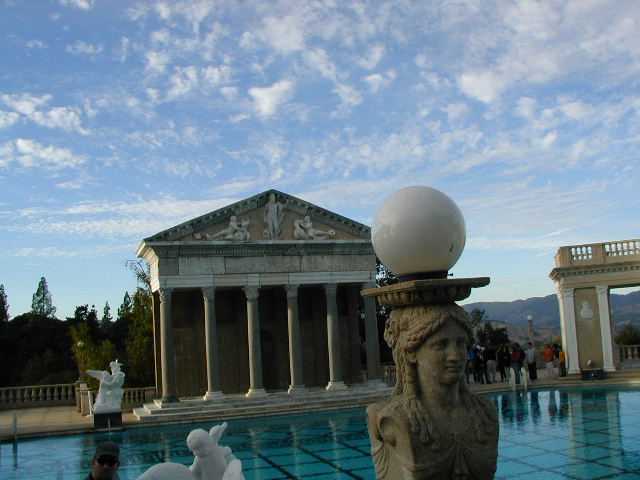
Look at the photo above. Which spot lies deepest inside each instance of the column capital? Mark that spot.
(292, 290)
(566, 292)
(602, 289)
(330, 288)
(251, 293)
(165, 294)
(209, 293)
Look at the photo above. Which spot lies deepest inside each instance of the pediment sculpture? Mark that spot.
(273, 216)
(303, 230)
(237, 230)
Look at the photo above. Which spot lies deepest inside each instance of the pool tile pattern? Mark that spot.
(556, 434)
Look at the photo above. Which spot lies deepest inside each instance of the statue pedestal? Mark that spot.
(107, 420)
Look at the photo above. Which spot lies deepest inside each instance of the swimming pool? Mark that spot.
(551, 434)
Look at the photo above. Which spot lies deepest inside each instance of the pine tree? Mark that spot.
(41, 303)
(4, 306)
(105, 321)
(124, 310)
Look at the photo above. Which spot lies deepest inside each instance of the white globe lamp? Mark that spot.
(419, 233)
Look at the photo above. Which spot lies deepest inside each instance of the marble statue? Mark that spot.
(211, 461)
(237, 230)
(273, 216)
(303, 230)
(110, 393)
(432, 426)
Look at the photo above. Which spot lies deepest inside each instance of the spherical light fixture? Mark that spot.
(419, 232)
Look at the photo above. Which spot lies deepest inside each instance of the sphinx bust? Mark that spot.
(432, 426)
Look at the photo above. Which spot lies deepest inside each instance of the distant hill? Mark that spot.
(546, 316)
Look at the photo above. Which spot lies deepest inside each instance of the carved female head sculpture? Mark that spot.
(429, 345)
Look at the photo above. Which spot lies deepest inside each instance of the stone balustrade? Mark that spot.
(629, 352)
(37, 395)
(64, 394)
(598, 253)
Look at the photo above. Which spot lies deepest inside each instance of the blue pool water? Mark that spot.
(551, 434)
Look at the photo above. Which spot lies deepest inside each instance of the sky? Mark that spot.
(121, 119)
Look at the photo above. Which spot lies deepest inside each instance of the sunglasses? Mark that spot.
(108, 461)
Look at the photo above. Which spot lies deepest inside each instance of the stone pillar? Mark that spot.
(166, 347)
(256, 387)
(211, 344)
(374, 369)
(333, 339)
(295, 343)
(568, 326)
(605, 328)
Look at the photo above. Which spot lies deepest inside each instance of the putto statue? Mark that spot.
(432, 427)
(211, 461)
(303, 230)
(237, 230)
(109, 396)
(273, 216)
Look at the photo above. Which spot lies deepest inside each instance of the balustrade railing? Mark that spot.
(34, 395)
(598, 253)
(629, 352)
(64, 394)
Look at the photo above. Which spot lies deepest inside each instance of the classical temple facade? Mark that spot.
(262, 295)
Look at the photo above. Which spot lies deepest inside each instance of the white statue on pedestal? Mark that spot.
(110, 392)
(211, 461)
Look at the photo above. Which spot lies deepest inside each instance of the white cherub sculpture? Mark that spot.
(211, 461)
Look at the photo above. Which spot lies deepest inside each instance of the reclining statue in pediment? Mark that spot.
(303, 230)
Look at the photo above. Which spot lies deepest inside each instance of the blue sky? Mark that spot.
(120, 119)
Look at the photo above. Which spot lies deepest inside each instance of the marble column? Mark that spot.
(211, 344)
(256, 387)
(605, 328)
(295, 342)
(333, 339)
(568, 326)
(374, 369)
(166, 348)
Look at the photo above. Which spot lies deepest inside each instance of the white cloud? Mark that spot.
(81, 4)
(284, 34)
(456, 111)
(156, 61)
(377, 81)
(65, 118)
(267, 100)
(7, 119)
(575, 110)
(182, 81)
(549, 139)
(124, 49)
(350, 96)
(31, 154)
(229, 93)
(319, 60)
(484, 86)
(373, 57)
(526, 107)
(215, 76)
(35, 44)
(84, 48)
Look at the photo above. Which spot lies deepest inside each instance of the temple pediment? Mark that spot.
(271, 216)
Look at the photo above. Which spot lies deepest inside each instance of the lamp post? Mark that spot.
(432, 426)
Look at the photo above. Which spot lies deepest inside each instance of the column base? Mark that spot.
(217, 395)
(336, 386)
(256, 393)
(610, 369)
(296, 389)
(376, 383)
(166, 401)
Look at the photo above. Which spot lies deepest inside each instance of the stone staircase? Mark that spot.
(277, 403)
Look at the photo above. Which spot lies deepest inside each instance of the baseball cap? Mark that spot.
(108, 449)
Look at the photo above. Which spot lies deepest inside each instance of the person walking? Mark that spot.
(490, 356)
(517, 356)
(504, 362)
(531, 362)
(562, 360)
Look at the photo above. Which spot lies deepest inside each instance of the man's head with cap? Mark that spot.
(106, 461)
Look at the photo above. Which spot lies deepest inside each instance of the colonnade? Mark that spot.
(256, 386)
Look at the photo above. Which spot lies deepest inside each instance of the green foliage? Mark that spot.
(628, 335)
(105, 321)
(139, 342)
(41, 303)
(124, 310)
(89, 352)
(4, 306)
(476, 317)
(485, 332)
